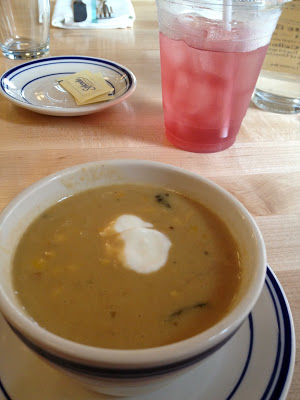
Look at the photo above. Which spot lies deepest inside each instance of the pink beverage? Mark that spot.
(206, 91)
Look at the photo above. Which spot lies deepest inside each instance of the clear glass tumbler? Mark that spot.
(24, 28)
(278, 86)
(211, 53)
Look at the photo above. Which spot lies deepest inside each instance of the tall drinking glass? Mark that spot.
(211, 55)
(24, 28)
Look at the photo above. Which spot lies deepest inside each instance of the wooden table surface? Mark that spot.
(262, 169)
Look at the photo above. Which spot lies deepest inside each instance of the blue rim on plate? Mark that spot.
(277, 386)
(17, 83)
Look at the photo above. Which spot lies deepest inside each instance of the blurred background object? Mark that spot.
(93, 14)
(278, 85)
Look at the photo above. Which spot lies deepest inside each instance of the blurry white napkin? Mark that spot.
(122, 15)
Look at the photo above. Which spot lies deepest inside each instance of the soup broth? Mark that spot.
(71, 275)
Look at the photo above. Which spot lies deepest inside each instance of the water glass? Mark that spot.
(24, 28)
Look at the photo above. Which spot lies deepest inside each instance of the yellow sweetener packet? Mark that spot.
(98, 99)
(85, 85)
(102, 97)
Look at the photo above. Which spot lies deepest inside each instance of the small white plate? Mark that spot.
(256, 364)
(34, 85)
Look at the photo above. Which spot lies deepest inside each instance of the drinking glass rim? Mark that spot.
(247, 4)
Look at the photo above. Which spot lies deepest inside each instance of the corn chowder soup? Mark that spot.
(127, 267)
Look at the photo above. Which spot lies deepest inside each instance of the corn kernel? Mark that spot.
(58, 237)
(71, 267)
(39, 263)
(104, 261)
(56, 291)
(49, 253)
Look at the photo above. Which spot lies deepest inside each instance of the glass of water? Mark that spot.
(24, 28)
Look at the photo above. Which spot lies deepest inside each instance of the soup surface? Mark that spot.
(72, 275)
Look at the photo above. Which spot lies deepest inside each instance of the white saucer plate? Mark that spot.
(256, 364)
(33, 85)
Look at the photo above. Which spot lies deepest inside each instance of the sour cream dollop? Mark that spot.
(145, 249)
